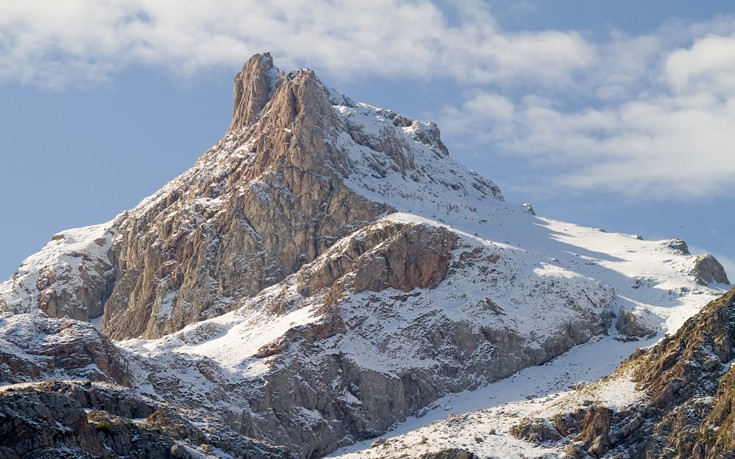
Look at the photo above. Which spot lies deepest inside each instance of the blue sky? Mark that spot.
(609, 114)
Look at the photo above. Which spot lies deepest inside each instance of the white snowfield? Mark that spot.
(545, 272)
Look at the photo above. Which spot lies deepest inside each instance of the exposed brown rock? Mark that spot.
(536, 431)
(450, 453)
(253, 87)
(629, 325)
(416, 258)
(716, 434)
(274, 212)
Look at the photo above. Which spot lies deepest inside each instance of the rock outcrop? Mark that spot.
(64, 419)
(708, 270)
(71, 277)
(34, 347)
(687, 390)
(631, 327)
(453, 453)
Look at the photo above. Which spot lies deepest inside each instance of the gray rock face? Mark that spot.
(708, 270)
(71, 277)
(678, 245)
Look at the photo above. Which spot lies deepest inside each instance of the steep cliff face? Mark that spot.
(260, 204)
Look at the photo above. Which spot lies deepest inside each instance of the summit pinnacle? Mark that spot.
(253, 87)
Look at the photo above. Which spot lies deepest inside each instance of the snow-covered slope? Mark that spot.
(555, 284)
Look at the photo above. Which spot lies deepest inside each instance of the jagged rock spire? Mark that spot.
(253, 87)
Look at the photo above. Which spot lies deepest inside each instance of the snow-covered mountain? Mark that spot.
(327, 272)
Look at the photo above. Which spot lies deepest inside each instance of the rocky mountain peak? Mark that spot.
(286, 118)
(296, 126)
(253, 87)
(322, 273)
(300, 168)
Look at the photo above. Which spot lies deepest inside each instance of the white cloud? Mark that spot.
(708, 66)
(654, 121)
(58, 43)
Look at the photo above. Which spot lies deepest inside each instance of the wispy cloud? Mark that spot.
(60, 43)
(650, 118)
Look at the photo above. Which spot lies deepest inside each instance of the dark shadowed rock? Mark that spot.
(60, 419)
(678, 245)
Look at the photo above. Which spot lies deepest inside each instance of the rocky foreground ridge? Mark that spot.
(322, 273)
(683, 406)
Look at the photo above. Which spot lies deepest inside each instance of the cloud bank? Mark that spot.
(60, 43)
(645, 115)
